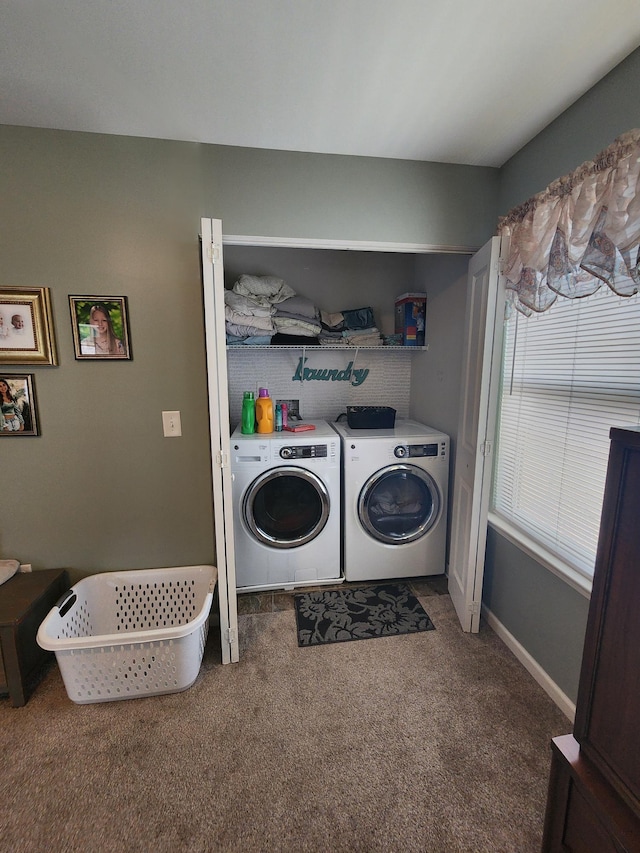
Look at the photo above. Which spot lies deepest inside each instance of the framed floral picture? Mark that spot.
(18, 411)
(26, 326)
(100, 327)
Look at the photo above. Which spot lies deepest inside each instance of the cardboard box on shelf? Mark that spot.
(411, 318)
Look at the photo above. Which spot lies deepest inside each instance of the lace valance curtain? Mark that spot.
(583, 230)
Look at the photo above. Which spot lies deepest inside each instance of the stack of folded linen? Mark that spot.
(332, 328)
(370, 337)
(296, 317)
(250, 308)
(354, 327)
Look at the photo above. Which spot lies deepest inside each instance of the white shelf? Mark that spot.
(327, 348)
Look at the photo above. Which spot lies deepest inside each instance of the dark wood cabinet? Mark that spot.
(594, 788)
(25, 600)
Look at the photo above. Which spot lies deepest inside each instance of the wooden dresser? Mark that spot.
(593, 803)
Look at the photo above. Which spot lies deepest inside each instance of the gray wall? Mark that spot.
(87, 214)
(538, 608)
(101, 488)
(435, 378)
(292, 194)
(545, 615)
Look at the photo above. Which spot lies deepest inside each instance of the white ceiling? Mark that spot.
(457, 82)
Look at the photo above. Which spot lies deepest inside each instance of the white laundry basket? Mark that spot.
(122, 635)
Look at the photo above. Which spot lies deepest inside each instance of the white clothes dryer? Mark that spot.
(286, 508)
(394, 498)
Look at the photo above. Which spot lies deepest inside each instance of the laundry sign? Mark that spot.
(324, 374)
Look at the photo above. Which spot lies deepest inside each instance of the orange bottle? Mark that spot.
(264, 411)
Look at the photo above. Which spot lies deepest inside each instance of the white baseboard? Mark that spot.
(563, 702)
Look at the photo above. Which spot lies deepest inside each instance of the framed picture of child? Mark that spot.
(26, 326)
(18, 411)
(100, 327)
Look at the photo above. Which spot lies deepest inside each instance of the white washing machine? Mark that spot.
(286, 508)
(395, 486)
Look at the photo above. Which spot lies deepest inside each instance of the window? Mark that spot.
(568, 375)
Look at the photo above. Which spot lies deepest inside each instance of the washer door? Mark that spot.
(399, 504)
(286, 507)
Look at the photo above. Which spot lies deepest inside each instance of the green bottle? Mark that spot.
(248, 426)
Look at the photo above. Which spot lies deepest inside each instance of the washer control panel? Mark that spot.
(305, 451)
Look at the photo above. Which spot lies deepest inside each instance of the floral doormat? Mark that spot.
(362, 613)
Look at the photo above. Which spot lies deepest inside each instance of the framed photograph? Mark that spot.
(18, 412)
(100, 327)
(26, 326)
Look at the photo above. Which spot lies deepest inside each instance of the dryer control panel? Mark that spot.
(409, 451)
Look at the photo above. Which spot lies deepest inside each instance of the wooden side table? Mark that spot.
(25, 600)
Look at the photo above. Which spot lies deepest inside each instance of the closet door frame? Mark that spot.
(219, 427)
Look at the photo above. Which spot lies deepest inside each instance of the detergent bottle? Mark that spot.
(264, 411)
(248, 426)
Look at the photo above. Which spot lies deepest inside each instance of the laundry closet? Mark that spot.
(420, 383)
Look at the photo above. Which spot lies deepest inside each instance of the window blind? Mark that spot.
(568, 376)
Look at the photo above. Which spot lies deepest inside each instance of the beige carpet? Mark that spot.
(435, 742)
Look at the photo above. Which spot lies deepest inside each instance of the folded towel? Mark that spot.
(356, 333)
(360, 340)
(8, 568)
(333, 342)
(332, 321)
(359, 318)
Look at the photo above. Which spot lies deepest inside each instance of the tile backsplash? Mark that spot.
(324, 381)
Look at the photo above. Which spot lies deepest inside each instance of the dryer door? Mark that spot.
(286, 507)
(399, 504)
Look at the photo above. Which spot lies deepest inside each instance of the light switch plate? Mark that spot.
(171, 425)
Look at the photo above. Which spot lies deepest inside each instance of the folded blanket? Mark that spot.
(245, 330)
(233, 319)
(333, 336)
(240, 304)
(264, 289)
(241, 311)
(250, 341)
(298, 306)
(287, 325)
(289, 315)
(291, 340)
